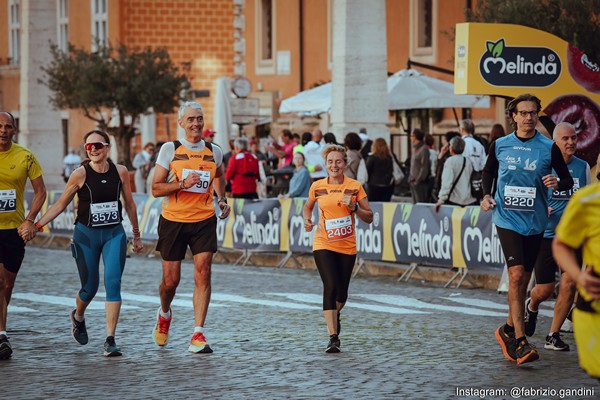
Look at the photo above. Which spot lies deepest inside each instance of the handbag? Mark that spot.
(398, 174)
(362, 175)
(457, 178)
(477, 184)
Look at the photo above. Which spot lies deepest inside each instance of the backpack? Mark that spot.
(249, 164)
(477, 184)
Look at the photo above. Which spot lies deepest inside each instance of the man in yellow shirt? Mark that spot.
(580, 227)
(17, 164)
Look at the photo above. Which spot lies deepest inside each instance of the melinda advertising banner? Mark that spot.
(508, 60)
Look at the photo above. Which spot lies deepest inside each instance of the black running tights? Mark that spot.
(335, 270)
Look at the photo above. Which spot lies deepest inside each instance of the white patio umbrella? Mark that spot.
(409, 89)
(309, 102)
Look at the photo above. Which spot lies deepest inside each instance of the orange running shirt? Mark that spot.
(335, 230)
(196, 203)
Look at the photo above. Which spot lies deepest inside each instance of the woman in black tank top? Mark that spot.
(99, 185)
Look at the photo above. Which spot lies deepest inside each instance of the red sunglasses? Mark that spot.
(95, 145)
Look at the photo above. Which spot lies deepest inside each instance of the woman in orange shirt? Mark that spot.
(334, 244)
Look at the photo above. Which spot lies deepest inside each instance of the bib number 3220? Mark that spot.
(519, 198)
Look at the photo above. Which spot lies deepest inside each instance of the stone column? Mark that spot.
(39, 122)
(359, 68)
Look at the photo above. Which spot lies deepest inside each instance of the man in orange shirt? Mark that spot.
(187, 173)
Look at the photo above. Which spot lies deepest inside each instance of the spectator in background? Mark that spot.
(443, 155)
(456, 178)
(380, 168)
(433, 160)
(208, 135)
(329, 138)
(285, 151)
(313, 154)
(141, 163)
(353, 144)
(496, 133)
(256, 151)
(366, 143)
(474, 150)
(419, 168)
(70, 163)
(304, 140)
(242, 171)
(300, 182)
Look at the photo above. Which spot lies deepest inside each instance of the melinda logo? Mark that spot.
(503, 65)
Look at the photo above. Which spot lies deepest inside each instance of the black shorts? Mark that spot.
(12, 250)
(546, 266)
(175, 237)
(519, 249)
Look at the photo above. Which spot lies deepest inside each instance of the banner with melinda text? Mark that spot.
(400, 232)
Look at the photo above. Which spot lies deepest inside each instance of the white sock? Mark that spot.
(166, 315)
(4, 333)
(199, 329)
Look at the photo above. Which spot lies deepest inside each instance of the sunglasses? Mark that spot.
(95, 145)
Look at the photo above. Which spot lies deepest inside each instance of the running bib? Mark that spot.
(104, 213)
(339, 228)
(200, 187)
(8, 200)
(565, 195)
(519, 198)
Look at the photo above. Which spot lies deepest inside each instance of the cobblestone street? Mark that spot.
(268, 334)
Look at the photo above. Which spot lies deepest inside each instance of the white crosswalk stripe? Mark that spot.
(410, 302)
(316, 299)
(392, 304)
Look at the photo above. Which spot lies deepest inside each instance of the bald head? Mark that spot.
(317, 135)
(565, 137)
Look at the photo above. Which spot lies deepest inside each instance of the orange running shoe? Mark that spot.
(199, 344)
(161, 330)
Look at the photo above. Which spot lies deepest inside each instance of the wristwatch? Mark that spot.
(222, 199)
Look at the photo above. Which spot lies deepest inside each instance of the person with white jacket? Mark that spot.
(456, 177)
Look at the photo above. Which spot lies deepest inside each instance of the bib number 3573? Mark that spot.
(339, 228)
(519, 198)
(200, 187)
(8, 200)
(104, 213)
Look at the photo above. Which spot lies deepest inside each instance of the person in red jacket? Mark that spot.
(242, 171)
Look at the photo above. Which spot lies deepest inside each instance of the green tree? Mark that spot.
(575, 21)
(120, 81)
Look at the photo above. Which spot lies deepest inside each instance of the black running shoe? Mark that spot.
(554, 342)
(530, 319)
(507, 342)
(110, 347)
(334, 344)
(5, 348)
(526, 352)
(78, 330)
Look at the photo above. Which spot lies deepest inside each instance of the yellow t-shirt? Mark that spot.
(580, 226)
(16, 165)
(335, 230)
